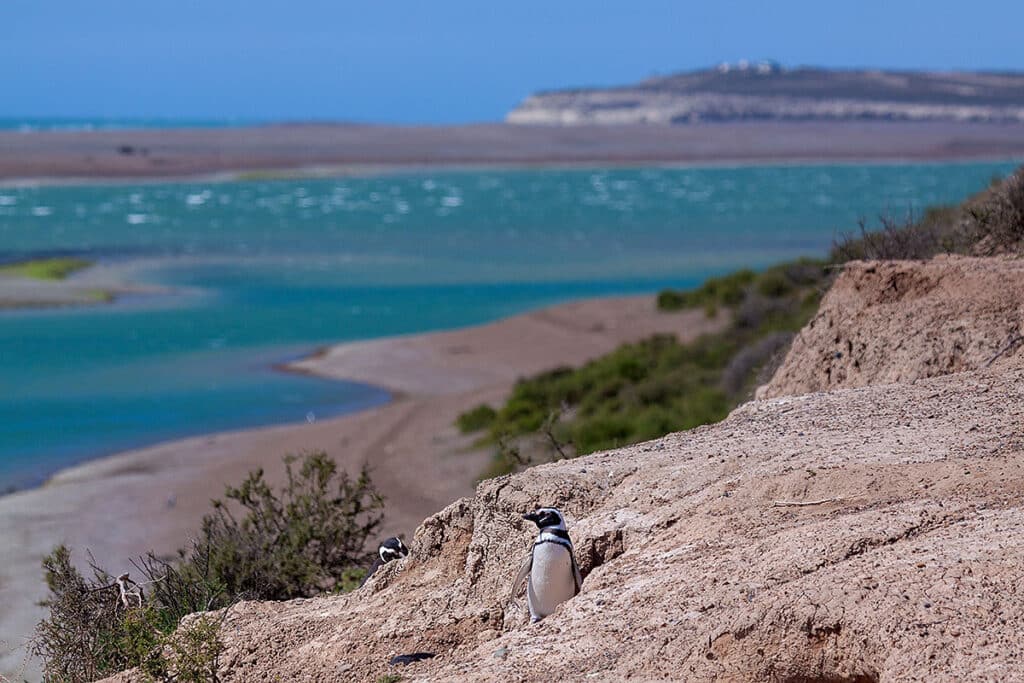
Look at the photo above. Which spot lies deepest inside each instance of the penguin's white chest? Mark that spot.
(551, 579)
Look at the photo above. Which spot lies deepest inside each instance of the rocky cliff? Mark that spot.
(769, 92)
(897, 322)
(867, 533)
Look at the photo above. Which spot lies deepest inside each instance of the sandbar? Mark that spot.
(334, 148)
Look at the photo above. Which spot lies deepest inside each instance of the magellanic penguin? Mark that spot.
(391, 549)
(550, 571)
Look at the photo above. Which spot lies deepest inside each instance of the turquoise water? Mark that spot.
(28, 124)
(265, 271)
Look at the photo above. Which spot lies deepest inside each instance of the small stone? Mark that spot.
(501, 653)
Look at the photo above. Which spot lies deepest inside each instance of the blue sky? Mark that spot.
(443, 62)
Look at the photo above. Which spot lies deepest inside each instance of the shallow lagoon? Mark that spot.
(265, 270)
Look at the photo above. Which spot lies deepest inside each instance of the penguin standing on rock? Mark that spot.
(550, 571)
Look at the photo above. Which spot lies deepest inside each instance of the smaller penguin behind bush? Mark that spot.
(390, 549)
(550, 571)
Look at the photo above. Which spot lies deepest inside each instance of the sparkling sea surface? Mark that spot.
(263, 271)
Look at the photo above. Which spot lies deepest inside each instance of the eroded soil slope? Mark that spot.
(863, 534)
(899, 321)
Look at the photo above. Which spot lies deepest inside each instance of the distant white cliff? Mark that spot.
(767, 91)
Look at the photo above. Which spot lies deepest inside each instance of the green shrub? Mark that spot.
(726, 291)
(306, 538)
(90, 633)
(298, 542)
(476, 419)
(645, 390)
(731, 289)
(602, 432)
(189, 655)
(79, 641)
(774, 284)
(671, 300)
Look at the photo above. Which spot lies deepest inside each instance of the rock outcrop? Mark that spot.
(901, 321)
(767, 91)
(864, 534)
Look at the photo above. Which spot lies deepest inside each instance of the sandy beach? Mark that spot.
(153, 498)
(340, 148)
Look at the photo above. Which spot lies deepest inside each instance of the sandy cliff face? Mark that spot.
(864, 534)
(894, 321)
(628, 107)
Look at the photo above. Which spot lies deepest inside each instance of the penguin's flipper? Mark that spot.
(576, 576)
(524, 571)
(373, 568)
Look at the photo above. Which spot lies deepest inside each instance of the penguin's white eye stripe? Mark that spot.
(392, 549)
(551, 518)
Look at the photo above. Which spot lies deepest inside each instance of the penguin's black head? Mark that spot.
(392, 549)
(546, 518)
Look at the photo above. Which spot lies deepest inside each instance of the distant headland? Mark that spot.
(767, 91)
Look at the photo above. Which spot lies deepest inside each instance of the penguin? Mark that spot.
(550, 570)
(390, 549)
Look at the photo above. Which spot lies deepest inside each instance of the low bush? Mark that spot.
(996, 223)
(476, 419)
(296, 543)
(774, 284)
(671, 300)
(725, 291)
(645, 390)
(94, 630)
(304, 539)
(991, 222)
(896, 239)
(738, 374)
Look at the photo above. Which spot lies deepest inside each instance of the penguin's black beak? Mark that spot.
(532, 517)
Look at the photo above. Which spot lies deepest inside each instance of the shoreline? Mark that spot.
(298, 173)
(123, 505)
(201, 154)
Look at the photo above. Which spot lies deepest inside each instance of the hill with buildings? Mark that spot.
(767, 91)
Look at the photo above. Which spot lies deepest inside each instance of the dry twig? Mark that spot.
(549, 430)
(803, 503)
(1014, 341)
